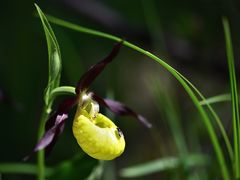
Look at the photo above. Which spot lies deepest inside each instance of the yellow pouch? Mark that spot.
(97, 135)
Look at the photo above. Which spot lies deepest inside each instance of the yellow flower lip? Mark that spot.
(98, 136)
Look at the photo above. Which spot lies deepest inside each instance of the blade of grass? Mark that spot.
(234, 98)
(216, 117)
(168, 106)
(216, 99)
(157, 37)
(20, 168)
(163, 164)
(165, 101)
(175, 73)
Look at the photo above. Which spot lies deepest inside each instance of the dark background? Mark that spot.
(186, 34)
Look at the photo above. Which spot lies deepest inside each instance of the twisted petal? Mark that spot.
(63, 108)
(49, 138)
(120, 109)
(54, 126)
(52, 133)
(87, 78)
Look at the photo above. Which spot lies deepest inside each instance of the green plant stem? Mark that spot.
(216, 117)
(45, 114)
(175, 73)
(41, 154)
(62, 90)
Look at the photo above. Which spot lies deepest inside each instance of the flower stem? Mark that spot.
(40, 154)
(41, 169)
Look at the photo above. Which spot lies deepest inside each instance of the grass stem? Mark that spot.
(234, 98)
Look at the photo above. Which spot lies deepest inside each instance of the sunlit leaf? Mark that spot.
(216, 99)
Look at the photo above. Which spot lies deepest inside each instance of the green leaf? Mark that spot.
(234, 98)
(22, 168)
(216, 99)
(54, 57)
(164, 164)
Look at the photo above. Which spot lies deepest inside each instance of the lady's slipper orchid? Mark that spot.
(97, 135)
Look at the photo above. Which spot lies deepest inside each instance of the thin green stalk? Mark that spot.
(216, 117)
(234, 98)
(62, 90)
(153, 23)
(205, 118)
(41, 154)
(45, 114)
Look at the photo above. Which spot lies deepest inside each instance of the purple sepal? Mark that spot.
(52, 133)
(54, 126)
(50, 137)
(87, 78)
(120, 109)
(63, 108)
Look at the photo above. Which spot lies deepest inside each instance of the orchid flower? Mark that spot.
(96, 134)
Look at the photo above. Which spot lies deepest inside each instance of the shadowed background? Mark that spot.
(187, 35)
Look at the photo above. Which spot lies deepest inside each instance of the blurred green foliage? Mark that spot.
(190, 38)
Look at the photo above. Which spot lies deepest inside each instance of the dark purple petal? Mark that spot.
(63, 108)
(50, 137)
(54, 126)
(121, 109)
(87, 78)
(58, 132)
